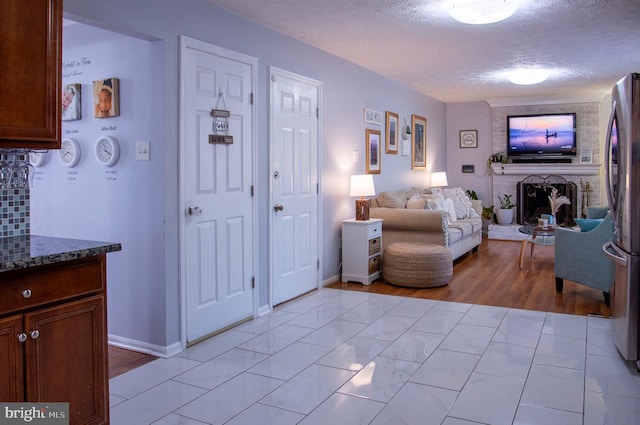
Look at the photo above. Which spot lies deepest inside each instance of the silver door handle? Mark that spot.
(278, 207)
(193, 210)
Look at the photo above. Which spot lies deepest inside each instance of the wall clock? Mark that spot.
(70, 152)
(38, 158)
(107, 150)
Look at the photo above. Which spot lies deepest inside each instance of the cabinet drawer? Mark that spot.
(375, 230)
(27, 288)
(374, 246)
(374, 264)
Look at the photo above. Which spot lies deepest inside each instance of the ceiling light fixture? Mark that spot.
(478, 12)
(527, 77)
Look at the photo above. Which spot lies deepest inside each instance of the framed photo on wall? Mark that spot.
(468, 138)
(391, 131)
(72, 102)
(106, 98)
(418, 142)
(373, 151)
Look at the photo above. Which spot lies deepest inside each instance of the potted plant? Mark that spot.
(504, 214)
(476, 204)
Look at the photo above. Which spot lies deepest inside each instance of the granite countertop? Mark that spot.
(20, 252)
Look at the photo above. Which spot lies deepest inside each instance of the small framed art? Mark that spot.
(373, 151)
(106, 98)
(418, 142)
(72, 102)
(391, 131)
(586, 155)
(468, 138)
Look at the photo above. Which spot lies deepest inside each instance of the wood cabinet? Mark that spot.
(31, 58)
(53, 338)
(361, 250)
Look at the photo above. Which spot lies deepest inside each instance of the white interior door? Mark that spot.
(217, 196)
(294, 185)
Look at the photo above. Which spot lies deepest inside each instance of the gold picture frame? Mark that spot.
(372, 145)
(418, 142)
(391, 133)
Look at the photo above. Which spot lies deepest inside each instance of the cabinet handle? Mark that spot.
(26, 293)
(22, 337)
(35, 334)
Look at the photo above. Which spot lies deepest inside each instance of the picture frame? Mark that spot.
(391, 133)
(418, 142)
(372, 117)
(72, 102)
(372, 143)
(106, 98)
(468, 138)
(468, 168)
(586, 155)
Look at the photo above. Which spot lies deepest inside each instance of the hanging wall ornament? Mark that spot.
(220, 123)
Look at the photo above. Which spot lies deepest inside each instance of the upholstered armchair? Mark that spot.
(579, 257)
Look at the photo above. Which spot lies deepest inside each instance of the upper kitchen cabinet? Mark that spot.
(31, 70)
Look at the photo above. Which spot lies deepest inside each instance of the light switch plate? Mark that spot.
(142, 151)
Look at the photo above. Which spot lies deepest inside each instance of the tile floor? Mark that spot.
(339, 357)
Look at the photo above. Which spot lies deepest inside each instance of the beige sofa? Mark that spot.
(407, 221)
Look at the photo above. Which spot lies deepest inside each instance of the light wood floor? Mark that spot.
(489, 277)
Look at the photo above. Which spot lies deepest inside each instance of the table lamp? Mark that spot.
(362, 185)
(439, 179)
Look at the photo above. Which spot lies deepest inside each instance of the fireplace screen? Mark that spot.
(533, 199)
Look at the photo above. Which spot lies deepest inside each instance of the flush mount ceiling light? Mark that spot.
(480, 12)
(526, 77)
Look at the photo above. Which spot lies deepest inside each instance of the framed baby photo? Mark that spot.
(106, 98)
(373, 151)
(72, 102)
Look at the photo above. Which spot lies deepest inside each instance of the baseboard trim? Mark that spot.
(145, 347)
(331, 280)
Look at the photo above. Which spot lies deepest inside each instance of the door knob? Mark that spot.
(193, 210)
(278, 207)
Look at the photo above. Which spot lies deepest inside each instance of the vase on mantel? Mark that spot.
(504, 216)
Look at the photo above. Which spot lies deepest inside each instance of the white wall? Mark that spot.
(347, 90)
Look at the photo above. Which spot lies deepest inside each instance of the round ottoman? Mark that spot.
(417, 265)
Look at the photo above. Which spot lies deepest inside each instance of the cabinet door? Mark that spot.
(66, 360)
(31, 58)
(11, 360)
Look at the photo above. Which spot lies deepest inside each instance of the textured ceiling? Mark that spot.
(587, 44)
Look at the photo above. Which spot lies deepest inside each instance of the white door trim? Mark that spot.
(190, 43)
(275, 71)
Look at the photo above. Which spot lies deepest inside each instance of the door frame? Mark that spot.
(275, 71)
(191, 43)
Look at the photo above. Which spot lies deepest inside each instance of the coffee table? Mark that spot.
(537, 236)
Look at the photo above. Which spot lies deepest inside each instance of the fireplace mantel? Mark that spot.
(583, 169)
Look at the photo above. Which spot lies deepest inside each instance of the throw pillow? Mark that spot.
(416, 202)
(392, 199)
(587, 224)
(435, 201)
(451, 209)
(458, 203)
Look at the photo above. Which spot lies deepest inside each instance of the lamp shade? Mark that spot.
(362, 185)
(439, 179)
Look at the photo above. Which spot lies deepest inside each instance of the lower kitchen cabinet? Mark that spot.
(53, 348)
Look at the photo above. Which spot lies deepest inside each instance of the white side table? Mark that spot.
(361, 250)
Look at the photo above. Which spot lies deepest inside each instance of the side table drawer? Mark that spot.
(374, 264)
(374, 246)
(375, 230)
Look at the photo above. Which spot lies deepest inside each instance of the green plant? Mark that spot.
(487, 212)
(472, 194)
(505, 202)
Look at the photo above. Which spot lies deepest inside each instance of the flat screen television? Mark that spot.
(541, 136)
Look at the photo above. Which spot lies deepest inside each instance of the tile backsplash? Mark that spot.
(14, 195)
(14, 212)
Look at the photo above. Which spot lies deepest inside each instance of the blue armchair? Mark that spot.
(579, 257)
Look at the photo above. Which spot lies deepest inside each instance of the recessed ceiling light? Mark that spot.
(479, 12)
(527, 77)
